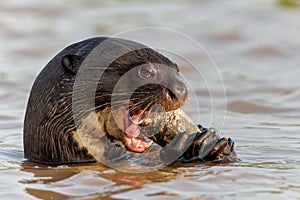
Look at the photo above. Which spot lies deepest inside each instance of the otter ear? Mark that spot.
(71, 63)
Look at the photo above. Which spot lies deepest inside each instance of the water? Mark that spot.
(255, 45)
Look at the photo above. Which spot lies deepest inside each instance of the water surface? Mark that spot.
(255, 45)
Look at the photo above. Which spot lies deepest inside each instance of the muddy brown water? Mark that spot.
(255, 45)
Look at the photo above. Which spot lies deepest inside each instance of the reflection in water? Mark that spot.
(89, 180)
(177, 180)
(256, 47)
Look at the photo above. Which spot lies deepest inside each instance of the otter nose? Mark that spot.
(180, 91)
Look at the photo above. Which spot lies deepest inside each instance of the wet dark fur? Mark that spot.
(49, 126)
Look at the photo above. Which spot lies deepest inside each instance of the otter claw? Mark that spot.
(221, 144)
(230, 142)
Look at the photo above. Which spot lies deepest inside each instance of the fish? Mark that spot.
(188, 141)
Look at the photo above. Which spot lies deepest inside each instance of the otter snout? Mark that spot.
(177, 91)
(180, 91)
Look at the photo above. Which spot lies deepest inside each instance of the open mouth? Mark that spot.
(135, 138)
(135, 133)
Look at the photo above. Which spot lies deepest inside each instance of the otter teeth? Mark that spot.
(136, 142)
(145, 122)
(137, 120)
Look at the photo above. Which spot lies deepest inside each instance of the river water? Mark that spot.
(255, 47)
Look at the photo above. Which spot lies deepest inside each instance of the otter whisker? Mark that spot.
(140, 103)
(116, 104)
(108, 104)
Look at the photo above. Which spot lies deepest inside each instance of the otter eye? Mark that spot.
(147, 73)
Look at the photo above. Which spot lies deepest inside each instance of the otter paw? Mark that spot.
(203, 143)
(223, 151)
(208, 146)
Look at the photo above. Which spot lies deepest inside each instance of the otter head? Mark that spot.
(131, 89)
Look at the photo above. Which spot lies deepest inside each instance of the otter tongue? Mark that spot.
(133, 130)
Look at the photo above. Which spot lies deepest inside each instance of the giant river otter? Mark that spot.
(58, 129)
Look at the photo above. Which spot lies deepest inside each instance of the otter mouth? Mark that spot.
(135, 134)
